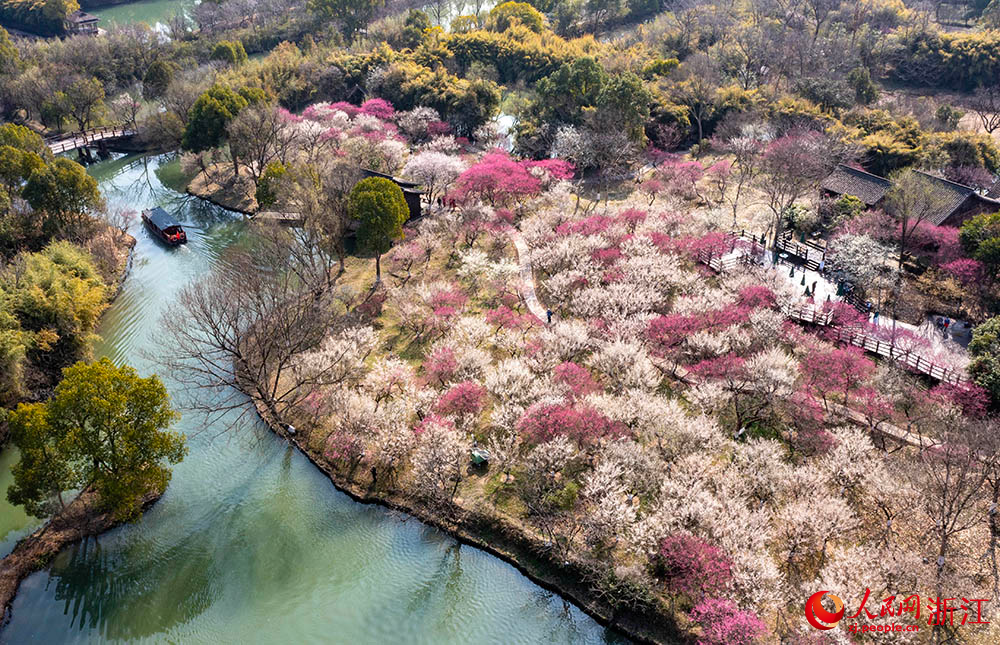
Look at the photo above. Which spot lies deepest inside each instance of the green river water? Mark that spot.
(251, 543)
(152, 12)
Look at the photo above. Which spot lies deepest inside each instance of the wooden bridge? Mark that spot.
(92, 137)
(723, 261)
(866, 339)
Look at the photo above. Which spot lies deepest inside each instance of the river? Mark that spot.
(251, 543)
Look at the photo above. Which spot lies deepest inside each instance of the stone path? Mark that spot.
(527, 276)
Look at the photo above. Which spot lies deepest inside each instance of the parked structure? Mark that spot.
(82, 23)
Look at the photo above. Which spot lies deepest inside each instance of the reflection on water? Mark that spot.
(251, 543)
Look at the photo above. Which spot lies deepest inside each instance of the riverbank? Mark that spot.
(479, 528)
(218, 185)
(78, 521)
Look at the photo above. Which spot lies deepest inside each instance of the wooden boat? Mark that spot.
(164, 226)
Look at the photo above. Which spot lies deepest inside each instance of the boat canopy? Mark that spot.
(161, 219)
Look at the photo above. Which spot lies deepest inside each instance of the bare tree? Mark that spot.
(913, 200)
(985, 102)
(791, 167)
(259, 135)
(697, 89)
(951, 476)
(237, 336)
(320, 196)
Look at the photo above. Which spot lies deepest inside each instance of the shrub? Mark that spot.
(691, 566)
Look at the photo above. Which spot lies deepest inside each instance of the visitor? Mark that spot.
(548, 316)
(875, 318)
(947, 321)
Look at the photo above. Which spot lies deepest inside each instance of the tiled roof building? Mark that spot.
(958, 202)
(867, 187)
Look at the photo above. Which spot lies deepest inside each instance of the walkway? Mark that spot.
(527, 275)
(86, 138)
(866, 339)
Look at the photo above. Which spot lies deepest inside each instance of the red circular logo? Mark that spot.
(815, 612)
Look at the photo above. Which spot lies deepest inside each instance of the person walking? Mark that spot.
(875, 318)
(548, 316)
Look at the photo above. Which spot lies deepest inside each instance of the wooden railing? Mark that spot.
(65, 143)
(813, 314)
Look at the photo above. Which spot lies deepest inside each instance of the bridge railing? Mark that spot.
(810, 313)
(65, 143)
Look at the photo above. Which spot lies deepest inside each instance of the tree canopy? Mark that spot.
(380, 208)
(105, 428)
(209, 116)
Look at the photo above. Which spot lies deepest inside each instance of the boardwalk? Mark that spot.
(67, 143)
(867, 337)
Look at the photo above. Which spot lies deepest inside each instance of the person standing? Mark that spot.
(548, 316)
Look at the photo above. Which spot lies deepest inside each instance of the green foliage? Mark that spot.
(582, 92)
(85, 101)
(829, 95)
(944, 59)
(22, 138)
(16, 166)
(353, 15)
(45, 17)
(562, 96)
(846, 207)
(57, 298)
(888, 144)
(229, 52)
(865, 90)
(984, 349)
(504, 15)
(267, 187)
(105, 428)
(948, 116)
(659, 67)
(62, 187)
(380, 208)
(465, 104)
(10, 59)
(209, 116)
(415, 29)
(516, 54)
(624, 102)
(157, 78)
(967, 149)
(464, 24)
(13, 347)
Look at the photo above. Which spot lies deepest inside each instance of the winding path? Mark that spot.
(538, 310)
(527, 275)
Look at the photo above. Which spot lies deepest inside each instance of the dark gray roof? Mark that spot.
(82, 16)
(407, 186)
(867, 187)
(161, 219)
(951, 195)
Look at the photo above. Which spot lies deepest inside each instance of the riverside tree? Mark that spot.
(105, 429)
(378, 204)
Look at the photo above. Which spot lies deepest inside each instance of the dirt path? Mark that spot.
(527, 276)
